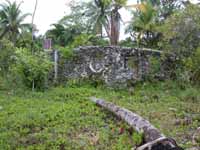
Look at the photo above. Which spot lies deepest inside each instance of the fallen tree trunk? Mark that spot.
(153, 138)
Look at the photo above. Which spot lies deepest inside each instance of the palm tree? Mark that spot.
(105, 14)
(143, 21)
(96, 16)
(63, 35)
(115, 24)
(141, 25)
(11, 20)
(97, 13)
(58, 34)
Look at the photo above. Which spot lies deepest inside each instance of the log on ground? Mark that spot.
(153, 138)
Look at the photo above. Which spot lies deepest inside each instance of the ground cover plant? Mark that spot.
(64, 118)
(59, 119)
(40, 111)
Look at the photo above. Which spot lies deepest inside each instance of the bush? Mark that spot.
(33, 68)
(81, 40)
(7, 57)
(66, 52)
(181, 32)
(155, 73)
(180, 43)
(192, 65)
(128, 42)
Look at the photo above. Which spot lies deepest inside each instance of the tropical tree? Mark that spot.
(11, 20)
(115, 21)
(97, 12)
(143, 21)
(181, 38)
(26, 41)
(141, 26)
(110, 18)
(97, 16)
(148, 15)
(166, 8)
(7, 57)
(79, 17)
(63, 35)
(57, 34)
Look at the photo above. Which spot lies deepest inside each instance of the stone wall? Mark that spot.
(116, 66)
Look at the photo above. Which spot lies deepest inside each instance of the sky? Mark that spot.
(50, 11)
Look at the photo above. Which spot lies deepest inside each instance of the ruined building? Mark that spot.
(115, 66)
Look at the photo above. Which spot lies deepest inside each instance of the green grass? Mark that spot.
(58, 119)
(64, 118)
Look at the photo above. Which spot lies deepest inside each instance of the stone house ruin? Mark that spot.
(116, 66)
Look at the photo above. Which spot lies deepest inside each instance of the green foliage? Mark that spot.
(62, 34)
(94, 16)
(33, 68)
(25, 41)
(148, 15)
(192, 67)
(77, 20)
(96, 40)
(155, 68)
(180, 41)
(11, 23)
(64, 117)
(66, 52)
(128, 42)
(191, 94)
(7, 56)
(181, 32)
(80, 40)
(90, 82)
(137, 138)
(88, 39)
(121, 2)
(83, 39)
(143, 23)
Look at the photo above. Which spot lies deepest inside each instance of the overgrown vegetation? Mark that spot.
(33, 68)
(64, 118)
(36, 115)
(59, 119)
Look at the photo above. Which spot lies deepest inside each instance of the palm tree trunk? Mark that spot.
(106, 27)
(153, 138)
(115, 26)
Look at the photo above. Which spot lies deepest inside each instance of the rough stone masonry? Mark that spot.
(114, 65)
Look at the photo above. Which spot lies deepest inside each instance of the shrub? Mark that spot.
(33, 68)
(7, 57)
(181, 32)
(180, 43)
(66, 52)
(9, 79)
(128, 42)
(192, 65)
(155, 69)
